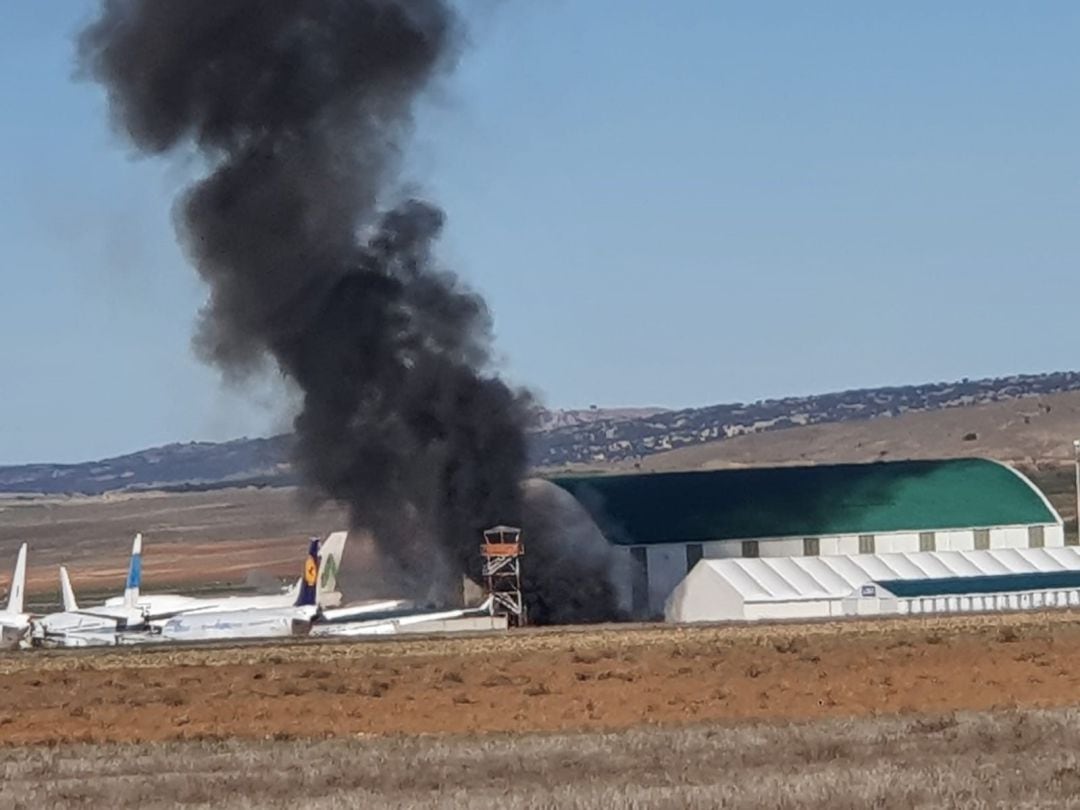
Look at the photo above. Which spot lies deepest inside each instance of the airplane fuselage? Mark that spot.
(248, 623)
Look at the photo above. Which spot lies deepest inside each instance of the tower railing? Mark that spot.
(501, 552)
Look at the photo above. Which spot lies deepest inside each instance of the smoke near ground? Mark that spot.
(301, 111)
(594, 577)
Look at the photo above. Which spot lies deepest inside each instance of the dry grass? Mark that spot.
(550, 681)
(586, 644)
(1006, 759)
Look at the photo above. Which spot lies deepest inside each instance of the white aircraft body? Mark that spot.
(13, 622)
(69, 627)
(249, 623)
(99, 638)
(253, 622)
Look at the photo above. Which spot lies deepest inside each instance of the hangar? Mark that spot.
(922, 582)
(667, 522)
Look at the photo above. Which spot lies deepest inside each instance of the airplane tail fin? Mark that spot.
(329, 559)
(18, 583)
(309, 581)
(67, 592)
(134, 579)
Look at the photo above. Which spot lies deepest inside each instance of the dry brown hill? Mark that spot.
(1030, 432)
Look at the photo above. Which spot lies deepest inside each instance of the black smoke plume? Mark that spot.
(300, 110)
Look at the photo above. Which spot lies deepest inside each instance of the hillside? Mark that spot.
(241, 462)
(1019, 418)
(1027, 432)
(618, 440)
(195, 465)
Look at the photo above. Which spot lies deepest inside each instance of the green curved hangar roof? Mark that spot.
(816, 501)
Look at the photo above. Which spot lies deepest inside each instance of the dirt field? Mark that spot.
(192, 540)
(932, 712)
(542, 681)
(1012, 759)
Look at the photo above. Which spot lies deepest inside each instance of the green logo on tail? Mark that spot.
(329, 571)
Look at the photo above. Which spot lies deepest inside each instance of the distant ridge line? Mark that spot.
(557, 438)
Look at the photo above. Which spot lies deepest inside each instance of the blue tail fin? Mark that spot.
(309, 581)
(134, 580)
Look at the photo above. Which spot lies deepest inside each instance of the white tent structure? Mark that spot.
(776, 588)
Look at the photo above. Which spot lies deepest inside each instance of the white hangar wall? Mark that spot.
(666, 564)
(850, 585)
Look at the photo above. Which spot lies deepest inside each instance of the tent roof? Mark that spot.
(815, 501)
(774, 579)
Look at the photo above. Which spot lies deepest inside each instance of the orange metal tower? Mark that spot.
(502, 550)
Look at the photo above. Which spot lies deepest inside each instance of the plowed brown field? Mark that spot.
(551, 680)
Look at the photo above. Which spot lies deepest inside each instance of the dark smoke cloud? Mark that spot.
(595, 578)
(301, 111)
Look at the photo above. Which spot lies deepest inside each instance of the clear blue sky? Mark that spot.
(665, 203)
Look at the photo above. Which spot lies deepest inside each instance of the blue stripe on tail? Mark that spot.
(134, 579)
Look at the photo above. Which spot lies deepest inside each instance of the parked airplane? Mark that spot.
(113, 622)
(253, 622)
(165, 605)
(66, 627)
(13, 622)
